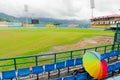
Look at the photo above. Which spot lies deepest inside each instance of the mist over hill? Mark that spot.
(9, 18)
(52, 20)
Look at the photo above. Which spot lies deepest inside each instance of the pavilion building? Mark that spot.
(105, 21)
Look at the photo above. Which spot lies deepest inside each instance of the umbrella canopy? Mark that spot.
(93, 64)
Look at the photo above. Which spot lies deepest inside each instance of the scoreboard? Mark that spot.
(35, 21)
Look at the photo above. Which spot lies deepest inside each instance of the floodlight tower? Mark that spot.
(92, 3)
(26, 11)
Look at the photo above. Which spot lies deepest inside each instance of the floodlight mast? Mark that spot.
(26, 11)
(92, 3)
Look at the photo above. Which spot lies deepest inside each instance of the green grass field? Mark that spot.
(28, 41)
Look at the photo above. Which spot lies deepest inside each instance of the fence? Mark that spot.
(41, 59)
(117, 34)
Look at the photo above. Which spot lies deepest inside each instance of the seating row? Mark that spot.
(113, 67)
(110, 54)
(81, 76)
(50, 67)
(22, 72)
(85, 76)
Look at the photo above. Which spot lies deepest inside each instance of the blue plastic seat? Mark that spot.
(37, 69)
(118, 52)
(70, 63)
(60, 65)
(111, 68)
(48, 68)
(23, 72)
(58, 79)
(8, 74)
(81, 76)
(117, 66)
(69, 78)
(104, 56)
(78, 61)
(111, 54)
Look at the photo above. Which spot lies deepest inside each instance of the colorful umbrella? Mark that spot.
(93, 64)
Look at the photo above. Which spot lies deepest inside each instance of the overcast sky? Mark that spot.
(60, 9)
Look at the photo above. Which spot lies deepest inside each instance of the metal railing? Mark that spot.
(41, 59)
(117, 34)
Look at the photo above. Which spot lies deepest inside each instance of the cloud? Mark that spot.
(61, 9)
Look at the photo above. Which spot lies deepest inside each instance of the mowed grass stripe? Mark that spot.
(28, 41)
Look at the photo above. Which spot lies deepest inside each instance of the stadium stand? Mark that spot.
(72, 25)
(83, 25)
(3, 24)
(15, 24)
(62, 25)
(40, 25)
(28, 25)
(23, 72)
(100, 26)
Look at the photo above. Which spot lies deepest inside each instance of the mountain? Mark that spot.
(51, 20)
(55, 21)
(6, 17)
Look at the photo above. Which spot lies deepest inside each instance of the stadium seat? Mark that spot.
(48, 68)
(69, 78)
(78, 61)
(37, 70)
(58, 79)
(112, 54)
(81, 76)
(8, 74)
(109, 55)
(69, 63)
(59, 66)
(104, 56)
(117, 66)
(118, 52)
(23, 72)
(111, 68)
